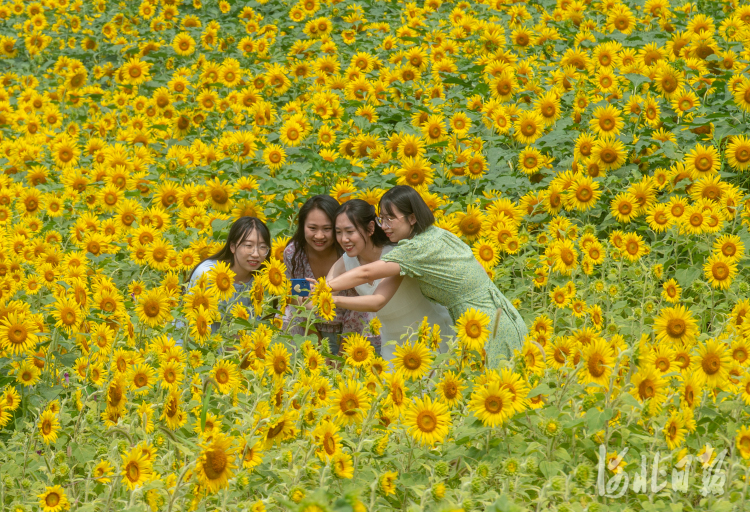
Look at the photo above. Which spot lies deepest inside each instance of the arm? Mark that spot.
(365, 274)
(337, 269)
(371, 303)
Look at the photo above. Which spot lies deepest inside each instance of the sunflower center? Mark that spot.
(426, 421)
(646, 389)
(151, 308)
(133, 472)
(215, 463)
(711, 364)
(608, 156)
(46, 427)
(720, 271)
(596, 365)
(676, 327)
(493, 404)
(348, 405)
(17, 334)
(742, 155)
(360, 354)
(412, 361)
(140, 380)
(329, 444)
(52, 499)
(279, 365)
(474, 329)
(703, 163)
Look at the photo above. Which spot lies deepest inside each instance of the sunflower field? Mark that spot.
(594, 154)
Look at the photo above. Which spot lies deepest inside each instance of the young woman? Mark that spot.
(310, 254)
(364, 242)
(247, 247)
(444, 267)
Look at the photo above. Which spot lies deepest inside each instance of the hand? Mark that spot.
(313, 285)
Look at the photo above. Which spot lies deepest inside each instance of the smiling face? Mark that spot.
(350, 238)
(250, 254)
(318, 231)
(396, 225)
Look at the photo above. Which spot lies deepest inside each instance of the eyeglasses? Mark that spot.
(387, 220)
(263, 250)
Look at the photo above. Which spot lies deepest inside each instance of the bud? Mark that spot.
(438, 491)
(441, 469)
(558, 483)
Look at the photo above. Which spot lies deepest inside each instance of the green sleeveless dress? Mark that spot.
(449, 274)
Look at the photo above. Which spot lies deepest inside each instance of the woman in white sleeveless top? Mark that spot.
(364, 241)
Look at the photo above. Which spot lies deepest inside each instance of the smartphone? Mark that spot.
(300, 287)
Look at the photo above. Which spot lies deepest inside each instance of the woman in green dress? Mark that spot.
(443, 265)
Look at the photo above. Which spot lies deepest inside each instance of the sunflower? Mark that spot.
(277, 361)
(719, 271)
(662, 357)
(349, 402)
(529, 126)
(598, 360)
(582, 194)
(53, 499)
(533, 357)
(428, 422)
(397, 399)
(491, 404)
(702, 161)
(610, 154)
(607, 121)
(173, 414)
(135, 71)
(743, 442)
(691, 390)
(742, 95)
(712, 362)
(564, 256)
(561, 351)
(342, 465)
(649, 385)
(415, 172)
(216, 462)
(49, 426)
(226, 375)
(253, 455)
(136, 468)
(434, 130)
(326, 435)
(449, 389)
(274, 156)
(674, 430)
(738, 152)
(359, 351)
(676, 325)
(154, 308)
(730, 247)
(471, 329)
(141, 377)
(388, 482)
(221, 281)
(414, 359)
(17, 333)
(102, 471)
(624, 207)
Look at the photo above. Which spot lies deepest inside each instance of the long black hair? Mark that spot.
(361, 213)
(327, 205)
(241, 228)
(408, 201)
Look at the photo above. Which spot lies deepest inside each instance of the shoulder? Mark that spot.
(201, 269)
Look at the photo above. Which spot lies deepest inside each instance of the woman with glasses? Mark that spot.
(364, 241)
(247, 247)
(442, 264)
(310, 254)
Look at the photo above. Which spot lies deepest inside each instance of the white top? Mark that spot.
(406, 309)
